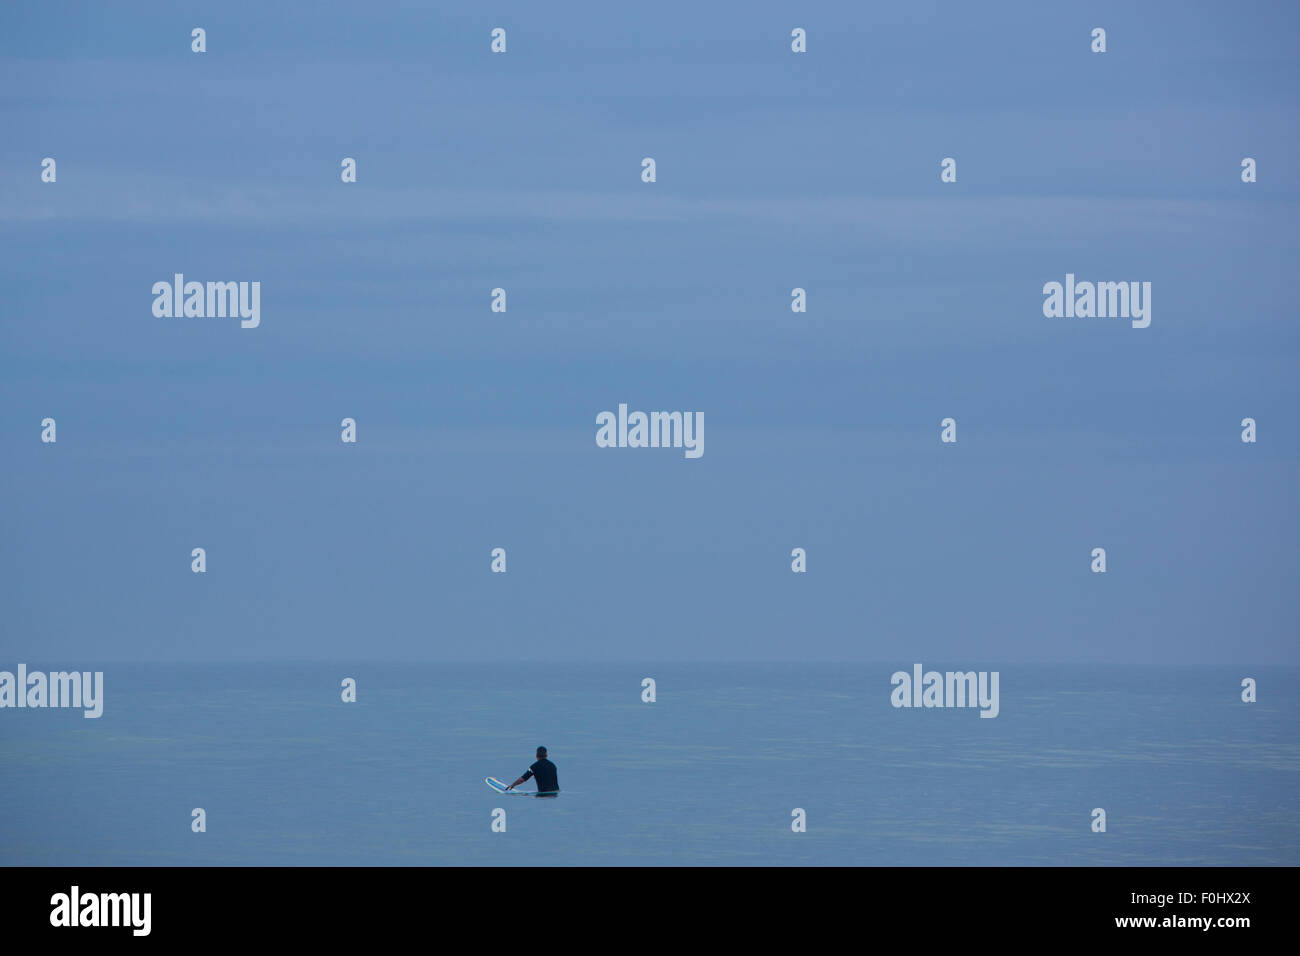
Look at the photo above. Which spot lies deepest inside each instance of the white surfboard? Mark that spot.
(500, 787)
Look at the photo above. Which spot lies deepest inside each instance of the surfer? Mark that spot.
(547, 781)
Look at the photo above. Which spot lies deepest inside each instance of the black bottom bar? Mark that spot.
(975, 905)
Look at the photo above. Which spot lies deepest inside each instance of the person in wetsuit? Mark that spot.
(547, 781)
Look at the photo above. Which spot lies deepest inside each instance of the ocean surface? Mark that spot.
(708, 774)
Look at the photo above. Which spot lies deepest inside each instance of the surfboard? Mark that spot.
(500, 787)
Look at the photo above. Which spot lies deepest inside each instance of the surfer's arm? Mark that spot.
(518, 782)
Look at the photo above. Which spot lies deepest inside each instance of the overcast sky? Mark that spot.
(477, 429)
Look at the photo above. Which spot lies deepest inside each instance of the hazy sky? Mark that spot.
(477, 429)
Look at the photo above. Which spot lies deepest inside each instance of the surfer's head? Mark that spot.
(541, 751)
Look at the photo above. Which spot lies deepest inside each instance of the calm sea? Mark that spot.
(708, 774)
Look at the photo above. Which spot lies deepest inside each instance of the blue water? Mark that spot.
(708, 774)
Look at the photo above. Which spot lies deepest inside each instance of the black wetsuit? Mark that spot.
(544, 771)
